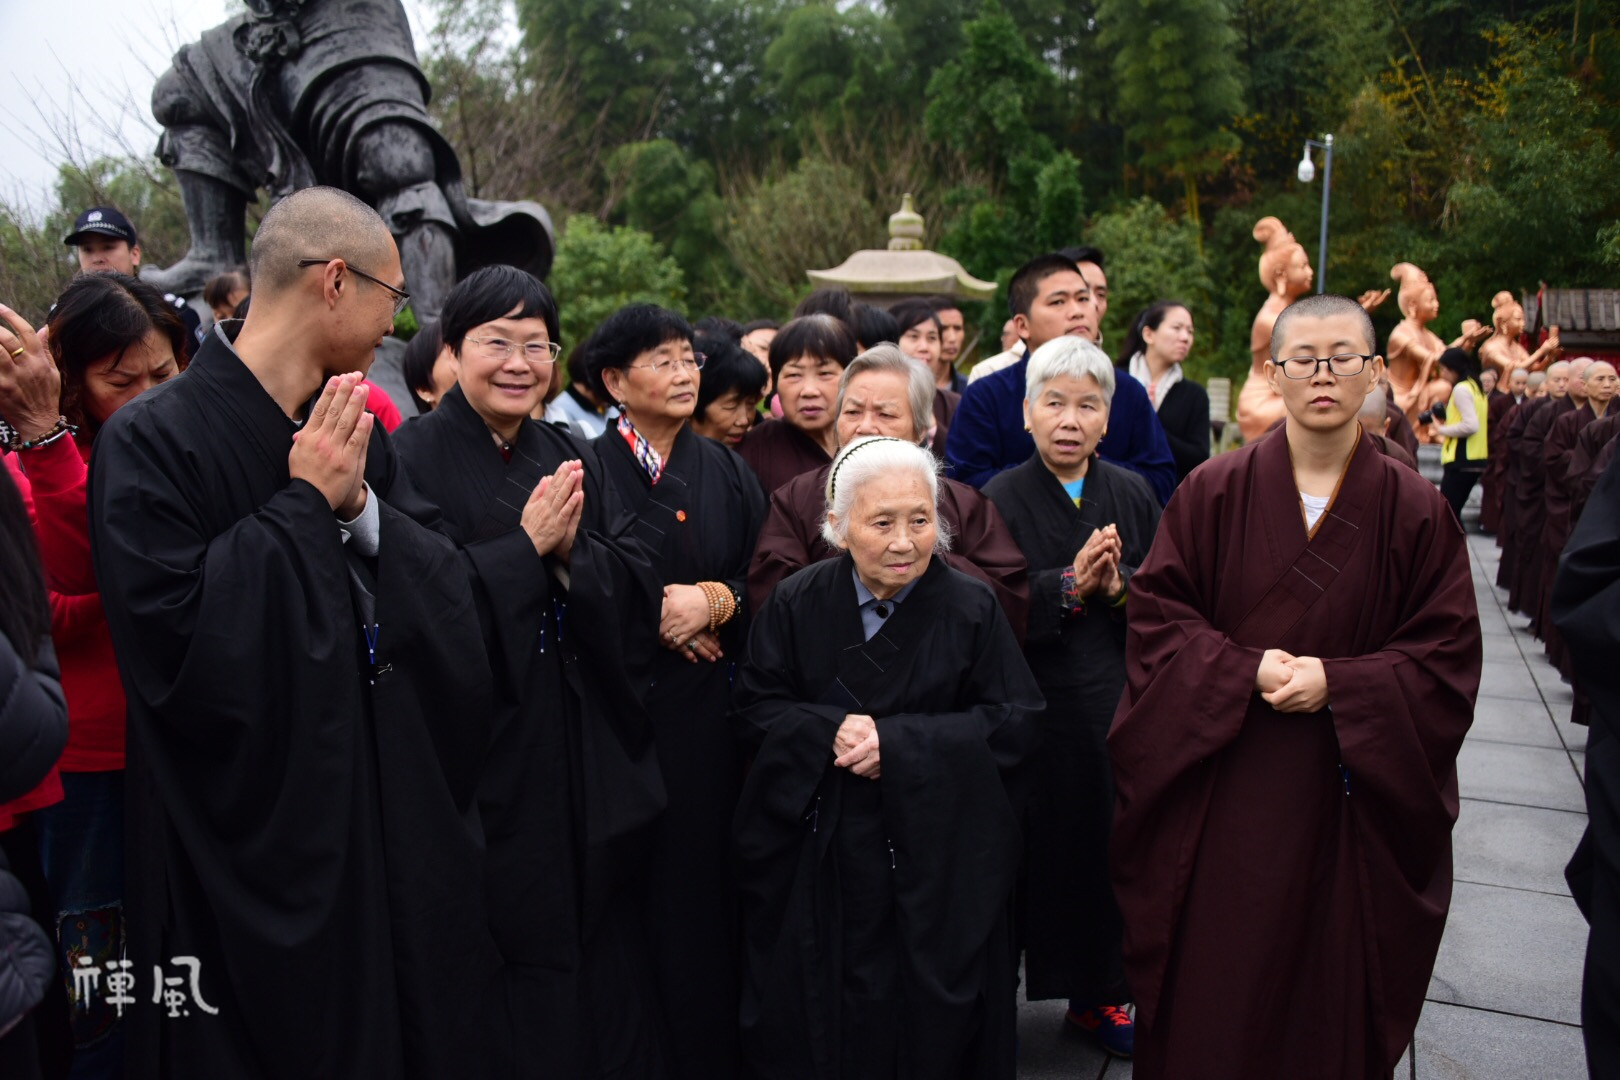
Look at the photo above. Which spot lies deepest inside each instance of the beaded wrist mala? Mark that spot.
(722, 603)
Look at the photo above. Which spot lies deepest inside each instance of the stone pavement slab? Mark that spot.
(1512, 951)
(1519, 847)
(1470, 1044)
(1522, 775)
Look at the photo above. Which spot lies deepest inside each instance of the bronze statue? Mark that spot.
(1502, 351)
(1286, 274)
(1414, 350)
(294, 93)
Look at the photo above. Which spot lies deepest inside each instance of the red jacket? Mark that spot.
(52, 482)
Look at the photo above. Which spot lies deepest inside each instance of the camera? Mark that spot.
(1437, 414)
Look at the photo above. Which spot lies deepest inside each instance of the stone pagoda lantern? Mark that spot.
(885, 277)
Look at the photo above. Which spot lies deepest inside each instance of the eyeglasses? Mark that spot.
(535, 352)
(401, 297)
(661, 367)
(1341, 364)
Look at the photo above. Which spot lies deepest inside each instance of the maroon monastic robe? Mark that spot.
(1555, 455)
(777, 452)
(982, 546)
(1531, 493)
(1284, 879)
(1593, 451)
(1490, 511)
(1507, 535)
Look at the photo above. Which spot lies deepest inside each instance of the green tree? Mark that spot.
(987, 102)
(670, 195)
(600, 269)
(1178, 81)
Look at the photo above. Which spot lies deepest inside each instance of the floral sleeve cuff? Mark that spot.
(1069, 598)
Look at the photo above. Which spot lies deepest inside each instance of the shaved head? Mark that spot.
(1376, 405)
(1560, 367)
(316, 223)
(1599, 367)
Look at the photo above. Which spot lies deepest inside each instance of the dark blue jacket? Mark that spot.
(987, 434)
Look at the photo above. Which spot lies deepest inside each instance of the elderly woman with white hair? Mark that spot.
(885, 392)
(890, 713)
(1083, 524)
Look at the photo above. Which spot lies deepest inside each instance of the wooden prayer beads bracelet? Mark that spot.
(722, 603)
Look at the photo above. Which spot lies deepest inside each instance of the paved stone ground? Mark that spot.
(1504, 1003)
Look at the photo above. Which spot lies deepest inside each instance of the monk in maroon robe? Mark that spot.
(1531, 493)
(1555, 452)
(1490, 511)
(807, 357)
(883, 392)
(1507, 534)
(1591, 456)
(1284, 755)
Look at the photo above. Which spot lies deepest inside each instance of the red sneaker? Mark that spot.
(1110, 1025)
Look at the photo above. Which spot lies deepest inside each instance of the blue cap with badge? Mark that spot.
(101, 221)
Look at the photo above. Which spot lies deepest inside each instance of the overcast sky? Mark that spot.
(85, 68)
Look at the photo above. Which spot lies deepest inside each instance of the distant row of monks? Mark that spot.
(1547, 449)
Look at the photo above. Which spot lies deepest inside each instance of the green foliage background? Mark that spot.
(705, 153)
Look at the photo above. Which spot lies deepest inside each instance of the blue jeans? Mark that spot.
(81, 848)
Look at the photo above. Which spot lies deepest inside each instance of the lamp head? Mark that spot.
(1307, 167)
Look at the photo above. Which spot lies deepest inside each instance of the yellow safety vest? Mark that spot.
(1478, 447)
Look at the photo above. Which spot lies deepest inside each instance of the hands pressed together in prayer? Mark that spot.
(329, 451)
(683, 625)
(1291, 684)
(30, 384)
(551, 516)
(856, 745)
(1096, 565)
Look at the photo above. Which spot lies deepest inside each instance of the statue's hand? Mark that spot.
(1372, 299)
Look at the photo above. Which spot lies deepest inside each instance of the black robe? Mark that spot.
(297, 810)
(1184, 415)
(571, 782)
(1531, 492)
(1586, 610)
(876, 912)
(1070, 923)
(700, 522)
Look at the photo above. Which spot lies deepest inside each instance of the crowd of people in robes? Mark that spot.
(740, 699)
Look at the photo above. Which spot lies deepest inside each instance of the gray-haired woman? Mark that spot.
(1083, 525)
(890, 713)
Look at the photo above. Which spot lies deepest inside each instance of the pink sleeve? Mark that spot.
(383, 408)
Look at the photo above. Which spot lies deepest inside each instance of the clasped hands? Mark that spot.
(329, 451)
(683, 624)
(856, 746)
(551, 516)
(1096, 565)
(1291, 684)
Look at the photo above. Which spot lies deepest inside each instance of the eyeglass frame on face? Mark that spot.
(1318, 361)
(488, 346)
(662, 366)
(401, 297)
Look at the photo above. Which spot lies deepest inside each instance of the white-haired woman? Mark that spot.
(1083, 524)
(890, 713)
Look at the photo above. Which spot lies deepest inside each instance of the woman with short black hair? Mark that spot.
(698, 509)
(728, 393)
(570, 602)
(807, 357)
(429, 367)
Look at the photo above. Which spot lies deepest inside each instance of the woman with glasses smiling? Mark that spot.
(571, 604)
(698, 508)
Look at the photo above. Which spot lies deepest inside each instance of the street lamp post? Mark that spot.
(1307, 173)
